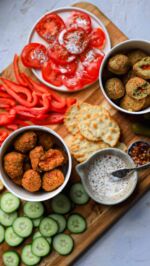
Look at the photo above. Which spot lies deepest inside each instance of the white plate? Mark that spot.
(64, 13)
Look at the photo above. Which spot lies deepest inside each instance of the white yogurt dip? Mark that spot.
(105, 187)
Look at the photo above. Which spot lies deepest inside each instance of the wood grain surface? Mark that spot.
(99, 217)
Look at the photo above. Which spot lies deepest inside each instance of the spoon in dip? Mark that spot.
(124, 172)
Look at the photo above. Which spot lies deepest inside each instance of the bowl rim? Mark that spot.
(36, 198)
(145, 111)
(127, 195)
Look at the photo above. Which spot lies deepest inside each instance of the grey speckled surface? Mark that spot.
(128, 241)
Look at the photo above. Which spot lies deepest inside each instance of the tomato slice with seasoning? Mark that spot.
(80, 19)
(34, 55)
(49, 27)
(98, 38)
(75, 40)
(74, 82)
(60, 54)
(67, 69)
(91, 61)
(50, 75)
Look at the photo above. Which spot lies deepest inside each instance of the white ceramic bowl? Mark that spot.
(19, 191)
(82, 170)
(64, 12)
(123, 47)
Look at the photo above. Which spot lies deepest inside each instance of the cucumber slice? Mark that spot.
(38, 234)
(28, 257)
(2, 233)
(23, 226)
(11, 258)
(61, 204)
(78, 194)
(60, 219)
(33, 209)
(40, 247)
(7, 219)
(11, 238)
(63, 244)
(76, 223)
(48, 227)
(36, 222)
(9, 202)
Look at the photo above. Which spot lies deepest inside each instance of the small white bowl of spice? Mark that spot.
(98, 182)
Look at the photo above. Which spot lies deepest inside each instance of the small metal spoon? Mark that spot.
(123, 172)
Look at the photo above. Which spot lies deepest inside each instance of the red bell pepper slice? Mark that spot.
(4, 95)
(25, 78)
(12, 126)
(7, 101)
(35, 111)
(52, 119)
(7, 118)
(19, 98)
(19, 79)
(37, 86)
(3, 135)
(17, 89)
(70, 101)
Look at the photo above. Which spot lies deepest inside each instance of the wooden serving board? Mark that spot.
(99, 217)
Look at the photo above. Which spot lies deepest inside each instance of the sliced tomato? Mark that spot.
(75, 40)
(98, 38)
(68, 69)
(34, 55)
(74, 82)
(60, 54)
(91, 61)
(80, 19)
(49, 27)
(50, 75)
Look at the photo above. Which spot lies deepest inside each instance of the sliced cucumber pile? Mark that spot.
(28, 257)
(76, 223)
(61, 204)
(78, 194)
(11, 258)
(49, 229)
(9, 203)
(63, 244)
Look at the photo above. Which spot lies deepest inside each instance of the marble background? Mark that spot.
(128, 241)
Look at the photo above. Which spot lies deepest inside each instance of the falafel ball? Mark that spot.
(142, 68)
(31, 180)
(135, 56)
(147, 102)
(114, 88)
(13, 164)
(52, 159)
(46, 140)
(131, 104)
(25, 142)
(118, 64)
(52, 180)
(35, 156)
(138, 88)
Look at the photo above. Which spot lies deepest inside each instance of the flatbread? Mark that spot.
(82, 148)
(96, 124)
(71, 117)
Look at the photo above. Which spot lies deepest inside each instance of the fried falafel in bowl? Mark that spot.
(35, 163)
(125, 77)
